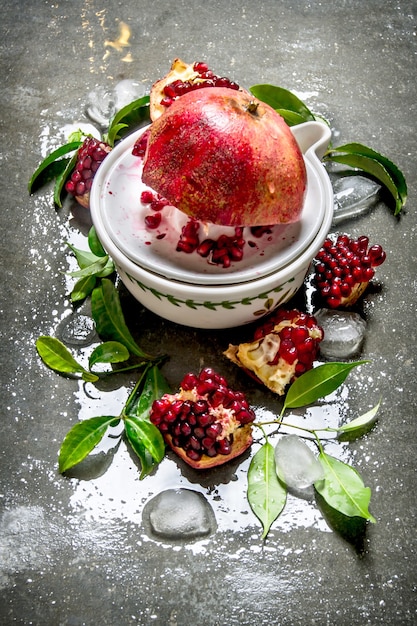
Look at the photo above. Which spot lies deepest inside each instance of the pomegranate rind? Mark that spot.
(222, 156)
(242, 440)
(84, 200)
(179, 71)
(358, 290)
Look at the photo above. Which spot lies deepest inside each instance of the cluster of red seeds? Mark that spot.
(156, 203)
(222, 251)
(342, 265)
(89, 158)
(206, 78)
(140, 145)
(195, 417)
(298, 342)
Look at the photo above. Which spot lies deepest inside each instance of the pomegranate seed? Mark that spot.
(377, 255)
(153, 221)
(147, 196)
(200, 66)
(224, 446)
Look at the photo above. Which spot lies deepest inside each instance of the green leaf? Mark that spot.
(53, 171)
(343, 488)
(292, 109)
(291, 117)
(90, 270)
(62, 179)
(56, 356)
(108, 352)
(377, 165)
(49, 160)
(150, 387)
(266, 494)
(147, 435)
(108, 316)
(84, 257)
(94, 243)
(318, 383)
(82, 288)
(107, 270)
(360, 425)
(81, 439)
(130, 117)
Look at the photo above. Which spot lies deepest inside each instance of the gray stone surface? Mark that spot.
(73, 550)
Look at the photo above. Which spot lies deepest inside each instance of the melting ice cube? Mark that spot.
(344, 332)
(180, 514)
(353, 195)
(296, 464)
(77, 330)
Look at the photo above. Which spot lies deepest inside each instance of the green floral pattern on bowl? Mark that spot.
(270, 302)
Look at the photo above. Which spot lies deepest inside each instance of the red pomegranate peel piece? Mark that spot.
(224, 157)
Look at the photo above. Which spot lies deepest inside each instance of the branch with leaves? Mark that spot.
(341, 487)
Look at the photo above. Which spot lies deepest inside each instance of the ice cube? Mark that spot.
(296, 464)
(101, 106)
(344, 332)
(126, 91)
(180, 514)
(77, 330)
(353, 195)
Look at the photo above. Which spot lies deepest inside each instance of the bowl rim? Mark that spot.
(207, 291)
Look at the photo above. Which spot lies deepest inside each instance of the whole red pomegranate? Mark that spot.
(222, 156)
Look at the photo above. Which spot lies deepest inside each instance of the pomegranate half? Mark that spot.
(224, 157)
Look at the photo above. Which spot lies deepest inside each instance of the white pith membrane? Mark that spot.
(179, 71)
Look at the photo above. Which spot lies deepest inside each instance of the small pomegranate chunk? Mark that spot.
(183, 78)
(343, 269)
(206, 423)
(89, 158)
(283, 347)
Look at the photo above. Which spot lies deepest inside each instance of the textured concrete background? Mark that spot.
(74, 550)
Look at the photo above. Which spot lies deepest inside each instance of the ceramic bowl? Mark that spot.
(187, 288)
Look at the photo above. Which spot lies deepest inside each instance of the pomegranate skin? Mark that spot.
(224, 157)
(241, 442)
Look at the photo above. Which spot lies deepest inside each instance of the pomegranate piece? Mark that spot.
(206, 422)
(183, 78)
(283, 347)
(344, 267)
(222, 156)
(90, 156)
